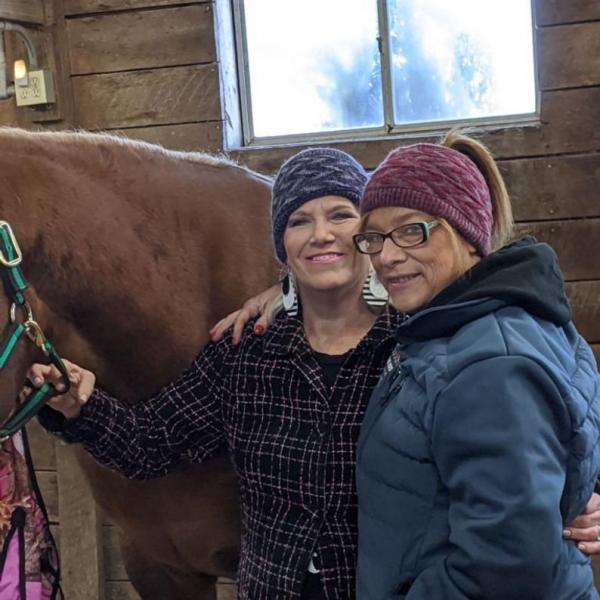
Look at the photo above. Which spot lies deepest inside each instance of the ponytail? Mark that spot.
(502, 228)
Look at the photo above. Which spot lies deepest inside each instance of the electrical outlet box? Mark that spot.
(39, 90)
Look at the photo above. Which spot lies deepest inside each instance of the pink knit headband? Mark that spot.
(436, 180)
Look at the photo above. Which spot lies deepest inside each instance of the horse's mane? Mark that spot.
(135, 146)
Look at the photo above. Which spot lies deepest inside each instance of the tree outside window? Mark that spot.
(331, 68)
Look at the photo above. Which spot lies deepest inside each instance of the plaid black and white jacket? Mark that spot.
(292, 442)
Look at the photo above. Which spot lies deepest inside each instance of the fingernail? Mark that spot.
(567, 533)
(60, 387)
(259, 329)
(234, 341)
(581, 546)
(83, 398)
(37, 380)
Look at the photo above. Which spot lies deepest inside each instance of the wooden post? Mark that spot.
(80, 530)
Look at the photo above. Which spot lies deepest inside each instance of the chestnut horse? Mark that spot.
(132, 253)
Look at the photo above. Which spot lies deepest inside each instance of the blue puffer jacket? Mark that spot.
(481, 442)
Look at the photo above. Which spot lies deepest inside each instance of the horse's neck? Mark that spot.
(122, 327)
(133, 298)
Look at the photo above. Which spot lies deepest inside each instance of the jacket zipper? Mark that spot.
(395, 386)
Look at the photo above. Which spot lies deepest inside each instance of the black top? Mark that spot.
(330, 365)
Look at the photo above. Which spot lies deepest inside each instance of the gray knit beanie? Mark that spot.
(311, 174)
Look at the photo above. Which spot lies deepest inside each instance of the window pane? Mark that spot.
(461, 59)
(313, 65)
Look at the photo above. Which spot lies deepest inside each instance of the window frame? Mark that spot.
(389, 129)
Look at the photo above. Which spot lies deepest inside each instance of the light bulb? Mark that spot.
(20, 72)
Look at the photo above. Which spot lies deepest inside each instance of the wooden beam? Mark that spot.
(42, 447)
(565, 187)
(225, 590)
(114, 569)
(585, 302)
(577, 244)
(80, 530)
(24, 11)
(82, 7)
(190, 137)
(569, 56)
(145, 98)
(120, 41)
(47, 480)
(568, 124)
(555, 12)
(61, 65)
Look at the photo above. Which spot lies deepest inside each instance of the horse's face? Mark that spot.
(22, 355)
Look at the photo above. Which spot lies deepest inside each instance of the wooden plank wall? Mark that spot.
(149, 69)
(146, 68)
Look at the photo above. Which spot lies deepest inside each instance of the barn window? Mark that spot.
(338, 69)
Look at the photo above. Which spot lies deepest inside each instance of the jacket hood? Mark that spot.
(524, 273)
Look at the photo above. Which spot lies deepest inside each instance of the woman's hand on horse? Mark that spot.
(82, 385)
(585, 529)
(263, 306)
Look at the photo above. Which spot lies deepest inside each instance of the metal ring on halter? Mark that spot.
(25, 307)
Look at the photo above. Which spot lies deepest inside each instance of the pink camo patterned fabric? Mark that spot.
(436, 180)
(29, 530)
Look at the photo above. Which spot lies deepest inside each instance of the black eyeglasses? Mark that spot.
(405, 236)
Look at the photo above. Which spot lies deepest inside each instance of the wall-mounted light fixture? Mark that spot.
(33, 86)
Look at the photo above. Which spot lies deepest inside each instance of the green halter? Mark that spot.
(15, 286)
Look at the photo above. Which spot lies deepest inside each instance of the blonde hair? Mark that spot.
(463, 259)
(502, 227)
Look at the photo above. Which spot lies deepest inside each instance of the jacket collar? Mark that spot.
(524, 273)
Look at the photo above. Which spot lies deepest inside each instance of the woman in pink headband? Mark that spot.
(482, 438)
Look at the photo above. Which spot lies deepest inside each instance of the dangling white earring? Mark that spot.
(373, 293)
(290, 298)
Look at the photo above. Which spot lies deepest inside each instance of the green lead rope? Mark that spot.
(27, 410)
(10, 341)
(14, 286)
(34, 402)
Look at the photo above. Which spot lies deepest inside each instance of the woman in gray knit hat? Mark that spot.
(287, 405)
